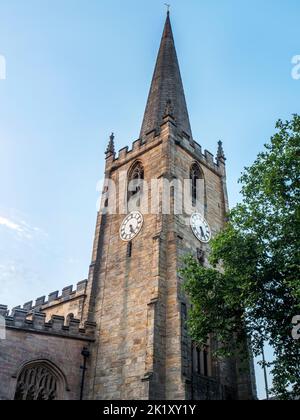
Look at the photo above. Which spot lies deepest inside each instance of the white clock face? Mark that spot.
(200, 228)
(131, 226)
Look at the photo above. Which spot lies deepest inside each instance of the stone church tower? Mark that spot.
(142, 349)
(127, 323)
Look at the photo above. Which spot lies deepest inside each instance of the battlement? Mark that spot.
(138, 147)
(17, 319)
(55, 298)
(153, 138)
(205, 157)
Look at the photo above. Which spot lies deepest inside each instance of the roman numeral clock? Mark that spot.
(200, 228)
(133, 223)
(131, 226)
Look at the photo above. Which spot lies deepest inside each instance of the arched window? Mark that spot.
(195, 175)
(135, 180)
(203, 360)
(69, 318)
(39, 381)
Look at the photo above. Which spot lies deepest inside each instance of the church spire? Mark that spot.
(166, 88)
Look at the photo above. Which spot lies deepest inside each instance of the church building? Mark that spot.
(122, 333)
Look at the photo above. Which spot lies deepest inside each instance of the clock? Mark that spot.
(200, 228)
(131, 226)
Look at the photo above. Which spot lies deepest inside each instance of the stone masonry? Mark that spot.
(35, 340)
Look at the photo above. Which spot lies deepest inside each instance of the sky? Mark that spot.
(77, 70)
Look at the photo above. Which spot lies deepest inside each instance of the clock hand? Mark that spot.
(131, 229)
(202, 232)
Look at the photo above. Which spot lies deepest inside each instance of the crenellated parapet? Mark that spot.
(17, 319)
(56, 298)
(181, 139)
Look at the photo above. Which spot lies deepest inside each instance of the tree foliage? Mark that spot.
(253, 284)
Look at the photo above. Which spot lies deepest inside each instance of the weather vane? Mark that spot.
(168, 7)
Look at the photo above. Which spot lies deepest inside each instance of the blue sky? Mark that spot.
(77, 70)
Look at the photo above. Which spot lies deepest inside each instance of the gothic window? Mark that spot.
(202, 357)
(38, 381)
(195, 175)
(205, 361)
(135, 178)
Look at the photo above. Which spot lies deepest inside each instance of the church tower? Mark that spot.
(142, 349)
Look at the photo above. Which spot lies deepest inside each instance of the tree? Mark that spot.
(253, 284)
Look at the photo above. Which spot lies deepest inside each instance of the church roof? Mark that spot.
(166, 88)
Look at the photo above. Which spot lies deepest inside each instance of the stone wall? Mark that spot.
(142, 348)
(69, 302)
(35, 340)
(127, 299)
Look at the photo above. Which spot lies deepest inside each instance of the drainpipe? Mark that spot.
(85, 354)
(192, 374)
(265, 371)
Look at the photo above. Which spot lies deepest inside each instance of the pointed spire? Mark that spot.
(221, 153)
(166, 88)
(111, 145)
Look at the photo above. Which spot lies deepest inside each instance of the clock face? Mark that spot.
(200, 228)
(131, 226)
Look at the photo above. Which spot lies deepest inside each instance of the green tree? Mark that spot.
(253, 284)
